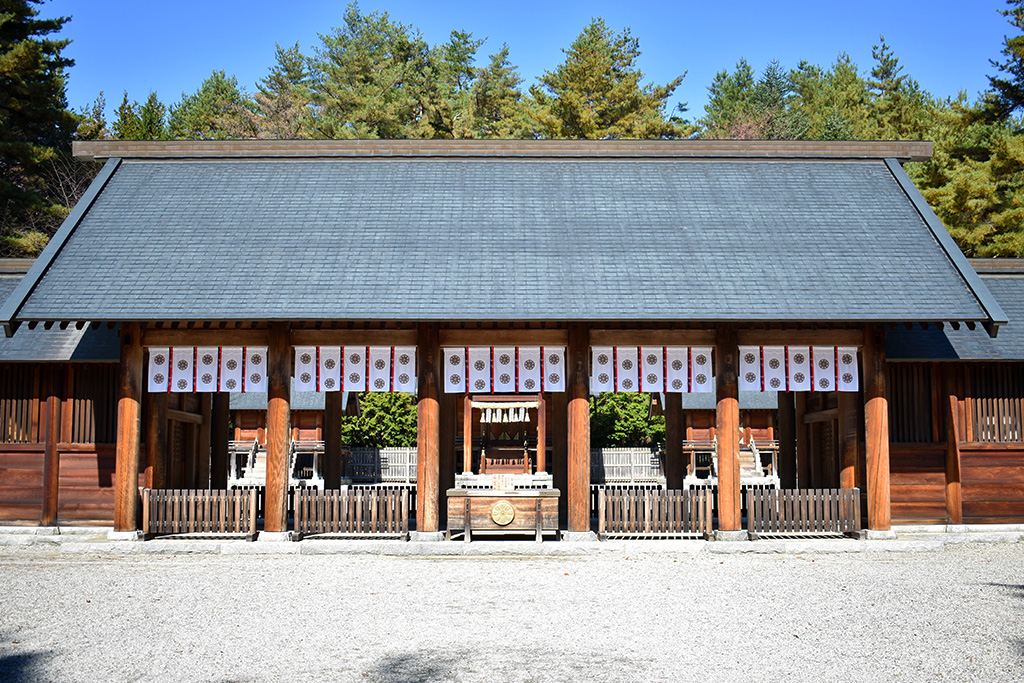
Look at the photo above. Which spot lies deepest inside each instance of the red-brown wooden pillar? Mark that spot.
(51, 457)
(848, 439)
(334, 410)
(802, 441)
(220, 420)
(279, 373)
(467, 435)
(156, 440)
(787, 440)
(674, 465)
(578, 430)
(954, 491)
(447, 435)
(876, 428)
(205, 440)
(560, 452)
(129, 419)
(428, 425)
(727, 423)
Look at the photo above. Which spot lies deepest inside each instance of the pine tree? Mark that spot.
(499, 107)
(1006, 95)
(35, 123)
(371, 80)
(451, 91)
(728, 101)
(283, 100)
(596, 92)
(218, 110)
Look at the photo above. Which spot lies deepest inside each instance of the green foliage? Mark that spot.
(218, 110)
(283, 101)
(35, 123)
(371, 80)
(92, 120)
(624, 420)
(741, 108)
(498, 106)
(384, 420)
(899, 108)
(596, 92)
(451, 96)
(140, 122)
(1006, 94)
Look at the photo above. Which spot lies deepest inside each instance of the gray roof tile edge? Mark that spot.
(996, 316)
(9, 309)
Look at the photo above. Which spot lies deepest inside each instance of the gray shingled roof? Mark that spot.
(502, 239)
(1007, 285)
(55, 344)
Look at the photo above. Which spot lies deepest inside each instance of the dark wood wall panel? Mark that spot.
(86, 492)
(917, 483)
(993, 485)
(21, 484)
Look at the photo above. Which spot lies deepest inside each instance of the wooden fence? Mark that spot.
(174, 511)
(355, 511)
(802, 511)
(653, 512)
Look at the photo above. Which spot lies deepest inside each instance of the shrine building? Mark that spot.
(180, 357)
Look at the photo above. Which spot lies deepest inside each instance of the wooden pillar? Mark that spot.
(542, 436)
(674, 466)
(220, 419)
(954, 492)
(156, 440)
(205, 440)
(51, 457)
(578, 430)
(428, 430)
(334, 410)
(787, 440)
(727, 423)
(802, 441)
(279, 372)
(848, 439)
(876, 428)
(447, 436)
(467, 435)
(129, 418)
(560, 452)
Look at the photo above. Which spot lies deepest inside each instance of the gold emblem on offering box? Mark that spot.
(503, 513)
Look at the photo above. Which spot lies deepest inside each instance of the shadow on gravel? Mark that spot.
(1017, 591)
(20, 667)
(413, 668)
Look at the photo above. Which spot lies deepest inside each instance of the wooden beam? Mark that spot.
(126, 491)
(503, 337)
(220, 420)
(51, 435)
(826, 415)
(819, 337)
(578, 429)
(314, 337)
(954, 491)
(334, 410)
(787, 440)
(156, 440)
(674, 466)
(184, 416)
(428, 426)
(727, 423)
(213, 337)
(205, 440)
(279, 373)
(848, 439)
(876, 428)
(612, 337)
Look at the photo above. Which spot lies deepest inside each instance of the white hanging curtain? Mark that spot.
(380, 369)
(354, 359)
(677, 369)
(504, 369)
(207, 368)
(603, 376)
(182, 373)
(480, 369)
(700, 369)
(848, 375)
(799, 359)
(330, 368)
(554, 368)
(405, 369)
(159, 369)
(305, 368)
(529, 369)
(774, 363)
(231, 368)
(652, 366)
(750, 368)
(824, 367)
(453, 370)
(255, 377)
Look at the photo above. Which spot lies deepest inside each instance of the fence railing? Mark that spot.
(802, 511)
(190, 511)
(357, 511)
(654, 512)
(625, 465)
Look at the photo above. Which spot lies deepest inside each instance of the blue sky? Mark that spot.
(170, 47)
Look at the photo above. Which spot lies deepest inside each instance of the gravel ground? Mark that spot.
(956, 614)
